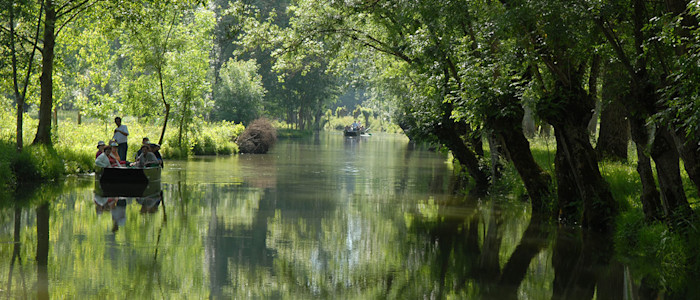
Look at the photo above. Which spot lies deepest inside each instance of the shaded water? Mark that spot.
(324, 217)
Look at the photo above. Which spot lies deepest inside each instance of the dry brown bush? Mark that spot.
(258, 137)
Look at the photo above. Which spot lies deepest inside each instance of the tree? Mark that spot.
(647, 72)
(150, 28)
(559, 35)
(614, 126)
(89, 68)
(239, 97)
(57, 14)
(17, 15)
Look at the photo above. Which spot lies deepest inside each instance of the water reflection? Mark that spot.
(117, 206)
(317, 218)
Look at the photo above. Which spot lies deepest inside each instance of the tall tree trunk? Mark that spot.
(689, 148)
(614, 132)
(690, 153)
(614, 126)
(21, 96)
(665, 155)
(529, 127)
(43, 132)
(651, 199)
(593, 91)
(570, 202)
(580, 161)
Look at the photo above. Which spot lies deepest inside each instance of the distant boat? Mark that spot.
(349, 131)
(353, 132)
(127, 182)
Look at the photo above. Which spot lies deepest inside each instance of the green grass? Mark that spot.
(291, 133)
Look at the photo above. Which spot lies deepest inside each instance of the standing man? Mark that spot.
(120, 135)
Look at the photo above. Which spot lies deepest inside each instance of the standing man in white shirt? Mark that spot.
(120, 134)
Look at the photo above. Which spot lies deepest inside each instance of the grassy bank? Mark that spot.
(75, 145)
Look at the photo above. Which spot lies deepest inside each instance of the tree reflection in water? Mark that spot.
(466, 258)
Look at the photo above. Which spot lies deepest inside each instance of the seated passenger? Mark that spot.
(115, 153)
(100, 146)
(147, 158)
(145, 141)
(106, 160)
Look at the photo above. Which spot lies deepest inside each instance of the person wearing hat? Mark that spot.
(100, 146)
(156, 151)
(120, 134)
(115, 155)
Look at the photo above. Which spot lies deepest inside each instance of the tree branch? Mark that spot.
(80, 10)
(23, 38)
(60, 13)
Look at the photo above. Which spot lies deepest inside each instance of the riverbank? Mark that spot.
(74, 145)
(665, 259)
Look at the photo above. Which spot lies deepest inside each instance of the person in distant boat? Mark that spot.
(106, 160)
(156, 152)
(145, 141)
(147, 158)
(355, 125)
(120, 134)
(100, 145)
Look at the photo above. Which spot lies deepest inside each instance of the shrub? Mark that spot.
(77, 160)
(7, 155)
(203, 144)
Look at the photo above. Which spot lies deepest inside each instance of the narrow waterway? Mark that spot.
(324, 217)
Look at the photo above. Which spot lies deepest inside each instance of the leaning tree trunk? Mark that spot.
(43, 132)
(509, 129)
(165, 103)
(690, 153)
(447, 135)
(579, 160)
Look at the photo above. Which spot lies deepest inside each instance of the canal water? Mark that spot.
(322, 217)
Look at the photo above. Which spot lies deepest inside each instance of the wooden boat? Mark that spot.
(348, 131)
(353, 132)
(127, 182)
